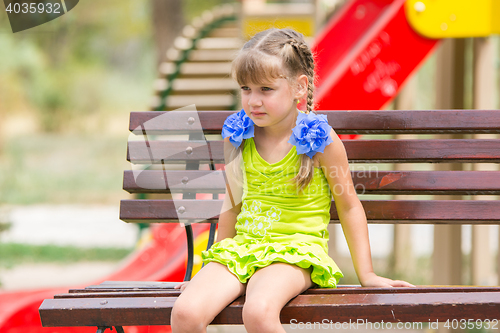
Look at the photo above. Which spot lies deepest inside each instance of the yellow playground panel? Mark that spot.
(300, 17)
(454, 18)
(255, 24)
(200, 244)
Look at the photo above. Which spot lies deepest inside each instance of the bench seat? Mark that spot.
(147, 303)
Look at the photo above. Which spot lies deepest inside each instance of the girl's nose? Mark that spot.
(254, 100)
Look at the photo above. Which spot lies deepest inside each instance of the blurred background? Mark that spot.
(67, 88)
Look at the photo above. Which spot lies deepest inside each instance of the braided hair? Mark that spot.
(297, 42)
(279, 53)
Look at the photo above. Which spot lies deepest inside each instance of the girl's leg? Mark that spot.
(207, 294)
(268, 290)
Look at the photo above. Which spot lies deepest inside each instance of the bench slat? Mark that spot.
(103, 291)
(345, 122)
(377, 211)
(358, 151)
(394, 307)
(370, 181)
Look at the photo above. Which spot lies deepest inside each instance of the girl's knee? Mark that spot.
(260, 312)
(187, 317)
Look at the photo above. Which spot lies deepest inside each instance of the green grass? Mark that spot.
(13, 254)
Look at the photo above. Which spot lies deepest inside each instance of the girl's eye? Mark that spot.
(245, 88)
(266, 89)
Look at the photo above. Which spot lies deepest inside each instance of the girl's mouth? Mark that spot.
(257, 113)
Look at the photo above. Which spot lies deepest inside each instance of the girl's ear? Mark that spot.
(302, 83)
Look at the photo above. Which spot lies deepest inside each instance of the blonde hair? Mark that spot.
(273, 54)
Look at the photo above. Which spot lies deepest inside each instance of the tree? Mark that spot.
(168, 21)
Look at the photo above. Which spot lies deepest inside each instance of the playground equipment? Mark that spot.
(196, 67)
(364, 54)
(258, 16)
(454, 18)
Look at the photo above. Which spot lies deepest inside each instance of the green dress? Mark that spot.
(278, 224)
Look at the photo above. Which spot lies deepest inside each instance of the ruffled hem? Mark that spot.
(243, 259)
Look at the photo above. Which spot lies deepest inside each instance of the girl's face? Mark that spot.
(270, 103)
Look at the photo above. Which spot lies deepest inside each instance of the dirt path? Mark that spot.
(76, 225)
(53, 275)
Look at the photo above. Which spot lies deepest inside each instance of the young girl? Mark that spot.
(272, 236)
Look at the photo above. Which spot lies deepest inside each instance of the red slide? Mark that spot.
(162, 259)
(364, 55)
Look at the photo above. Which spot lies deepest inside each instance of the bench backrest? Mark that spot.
(182, 153)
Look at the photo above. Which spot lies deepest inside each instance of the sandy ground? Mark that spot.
(83, 226)
(77, 225)
(51, 275)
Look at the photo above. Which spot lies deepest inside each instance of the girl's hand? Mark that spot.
(374, 280)
(181, 286)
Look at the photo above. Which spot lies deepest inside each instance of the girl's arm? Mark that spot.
(227, 222)
(231, 206)
(351, 214)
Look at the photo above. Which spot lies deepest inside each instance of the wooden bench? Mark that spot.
(118, 304)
